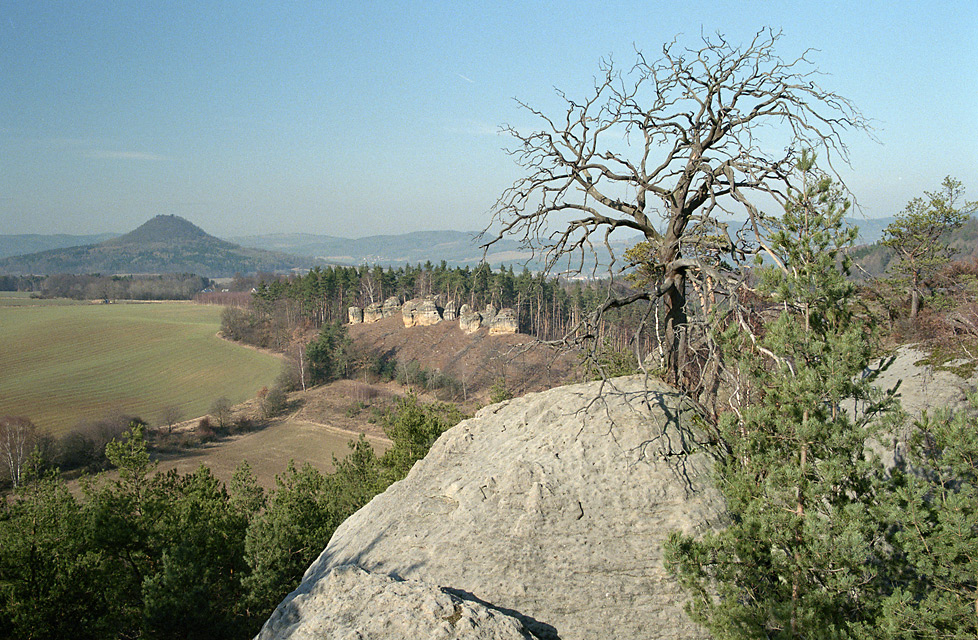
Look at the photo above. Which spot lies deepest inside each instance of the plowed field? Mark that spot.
(61, 364)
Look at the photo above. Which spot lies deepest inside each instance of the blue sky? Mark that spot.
(362, 118)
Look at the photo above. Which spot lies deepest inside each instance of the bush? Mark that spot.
(204, 431)
(276, 401)
(84, 446)
(383, 366)
(413, 427)
(222, 412)
(239, 325)
(499, 392)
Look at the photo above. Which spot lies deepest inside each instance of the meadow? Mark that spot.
(63, 363)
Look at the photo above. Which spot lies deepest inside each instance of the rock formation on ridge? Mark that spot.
(504, 322)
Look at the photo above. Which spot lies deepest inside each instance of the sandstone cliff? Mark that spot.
(551, 509)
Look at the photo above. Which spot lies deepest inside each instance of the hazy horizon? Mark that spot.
(382, 119)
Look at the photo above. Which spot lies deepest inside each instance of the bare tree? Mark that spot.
(170, 415)
(17, 439)
(671, 149)
(223, 411)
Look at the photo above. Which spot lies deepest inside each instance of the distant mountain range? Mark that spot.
(164, 244)
(170, 244)
(456, 248)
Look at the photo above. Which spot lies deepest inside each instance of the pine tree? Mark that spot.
(797, 558)
(918, 236)
(933, 508)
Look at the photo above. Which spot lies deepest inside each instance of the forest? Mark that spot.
(142, 553)
(548, 308)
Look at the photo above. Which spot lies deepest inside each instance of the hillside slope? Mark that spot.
(874, 259)
(475, 360)
(164, 244)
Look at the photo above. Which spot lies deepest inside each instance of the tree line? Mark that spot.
(547, 307)
(171, 286)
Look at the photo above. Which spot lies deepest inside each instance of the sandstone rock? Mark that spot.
(464, 310)
(391, 305)
(469, 322)
(552, 507)
(352, 603)
(408, 313)
(922, 387)
(356, 315)
(373, 313)
(504, 322)
(426, 313)
(488, 314)
(450, 312)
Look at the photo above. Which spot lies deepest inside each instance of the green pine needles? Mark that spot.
(799, 554)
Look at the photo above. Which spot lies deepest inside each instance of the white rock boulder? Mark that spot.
(352, 603)
(552, 508)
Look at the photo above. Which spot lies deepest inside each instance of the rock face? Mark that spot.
(372, 313)
(427, 313)
(489, 313)
(355, 315)
(420, 313)
(552, 507)
(391, 307)
(504, 322)
(352, 603)
(469, 322)
(450, 312)
(408, 312)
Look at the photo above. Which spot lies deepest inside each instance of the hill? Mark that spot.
(19, 244)
(874, 259)
(164, 244)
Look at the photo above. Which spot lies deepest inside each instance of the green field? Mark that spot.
(64, 363)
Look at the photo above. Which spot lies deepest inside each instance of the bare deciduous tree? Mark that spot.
(17, 439)
(671, 149)
(170, 415)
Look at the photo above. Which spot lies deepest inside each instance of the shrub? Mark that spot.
(499, 391)
(383, 366)
(204, 431)
(84, 446)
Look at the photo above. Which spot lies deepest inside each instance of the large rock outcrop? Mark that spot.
(469, 321)
(364, 605)
(373, 313)
(391, 307)
(409, 312)
(427, 313)
(504, 322)
(552, 508)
